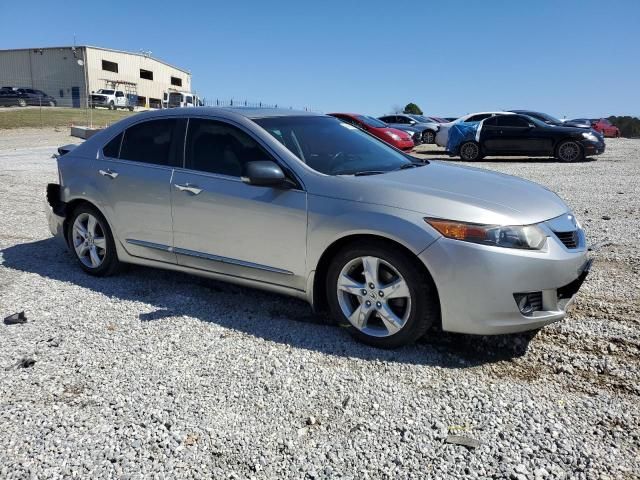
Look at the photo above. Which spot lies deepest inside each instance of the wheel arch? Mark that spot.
(71, 206)
(318, 287)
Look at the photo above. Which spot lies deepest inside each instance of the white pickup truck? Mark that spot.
(112, 99)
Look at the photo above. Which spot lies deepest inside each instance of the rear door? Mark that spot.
(133, 172)
(224, 225)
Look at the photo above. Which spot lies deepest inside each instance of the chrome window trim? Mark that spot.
(207, 256)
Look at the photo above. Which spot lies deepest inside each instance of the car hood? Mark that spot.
(457, 193)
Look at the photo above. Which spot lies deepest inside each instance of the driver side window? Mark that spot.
(217, 147)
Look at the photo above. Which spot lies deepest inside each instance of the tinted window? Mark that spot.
(217, 147)
(388, 119)
(477, 118)
(493, 121)
(112, 149)
(332, 147)
(512, 121)
(119, 94)
(149, 142)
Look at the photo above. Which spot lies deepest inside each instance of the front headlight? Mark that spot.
(590, 136)
(395, 136)
(528, 237)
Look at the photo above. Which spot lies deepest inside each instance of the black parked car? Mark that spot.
(11, 98)
(522, 135)
(32, 96)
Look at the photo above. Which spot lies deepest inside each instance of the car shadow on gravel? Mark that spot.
(273, 317)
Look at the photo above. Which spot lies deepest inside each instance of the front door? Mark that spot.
(224, 225)
(133, 175)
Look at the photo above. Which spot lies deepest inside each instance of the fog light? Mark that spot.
(528, 302)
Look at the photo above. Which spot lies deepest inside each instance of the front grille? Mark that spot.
(569, 239)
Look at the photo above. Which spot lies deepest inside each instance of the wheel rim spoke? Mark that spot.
(370, 266)
(81, 249)
(360, 316)
(91, 225)
(100, 242)
(390, 319)
(349, 285)
(94, 257)
(79, 230)
(397, 289)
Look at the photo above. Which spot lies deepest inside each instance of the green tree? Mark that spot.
(412, 108)
(629, 126)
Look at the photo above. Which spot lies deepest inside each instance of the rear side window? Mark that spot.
(512, 121)
(477, 118)
(217, 147)
(149, 142)
(112, 149)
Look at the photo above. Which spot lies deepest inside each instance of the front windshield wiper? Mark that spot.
(360, 173)
(411, 165)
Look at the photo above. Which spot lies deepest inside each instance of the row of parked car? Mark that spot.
(22, 97)
(472, 136)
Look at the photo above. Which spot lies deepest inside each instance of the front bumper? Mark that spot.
(405, 145)
(476, 284)
(592, 148)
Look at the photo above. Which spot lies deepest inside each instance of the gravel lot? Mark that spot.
(153, 374)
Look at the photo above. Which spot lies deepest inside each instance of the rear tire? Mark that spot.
(569, 151)
(91, 242)
(398, 317)
(470, 151)
(52, 103)
(22, 102)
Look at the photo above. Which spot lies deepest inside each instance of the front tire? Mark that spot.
(428, 136)
(22, 102)
(91, 242)
(52, 103)
(569, 151)
(470, 151)
(112, 106)
(381, 295)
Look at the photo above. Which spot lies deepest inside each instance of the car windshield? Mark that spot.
(371, 122)
(333, 147)
(421, 119)
(106, 92)
(547, 118)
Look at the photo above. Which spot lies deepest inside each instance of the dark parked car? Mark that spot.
(32, 96)
(399, 120)
(11, 98)
(527, 136)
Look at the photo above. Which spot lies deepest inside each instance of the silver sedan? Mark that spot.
(312, 207)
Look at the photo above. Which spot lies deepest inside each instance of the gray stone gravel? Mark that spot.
(154, 374)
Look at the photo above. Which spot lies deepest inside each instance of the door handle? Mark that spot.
(108, 173)
(188, 188)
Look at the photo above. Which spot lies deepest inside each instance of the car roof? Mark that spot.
(228, 112)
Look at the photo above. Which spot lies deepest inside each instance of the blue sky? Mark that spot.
(574, 58)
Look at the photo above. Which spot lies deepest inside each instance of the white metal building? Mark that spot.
(69, 74)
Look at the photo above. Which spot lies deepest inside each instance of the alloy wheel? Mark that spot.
(374, 296)
(569, 151)
(89, 240)
(469, 151)
(428, 136)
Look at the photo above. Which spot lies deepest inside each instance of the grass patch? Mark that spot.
(19, 117)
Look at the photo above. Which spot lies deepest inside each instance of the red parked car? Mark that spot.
(397, 138)
(605, 127)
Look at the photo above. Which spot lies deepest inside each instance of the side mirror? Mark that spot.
(264, 173)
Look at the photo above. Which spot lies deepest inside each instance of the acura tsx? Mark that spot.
(310, 206)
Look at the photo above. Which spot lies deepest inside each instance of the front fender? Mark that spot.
(331, 220)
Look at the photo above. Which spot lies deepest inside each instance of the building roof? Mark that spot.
(138, 54)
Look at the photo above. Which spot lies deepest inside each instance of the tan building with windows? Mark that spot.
(69, 74)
